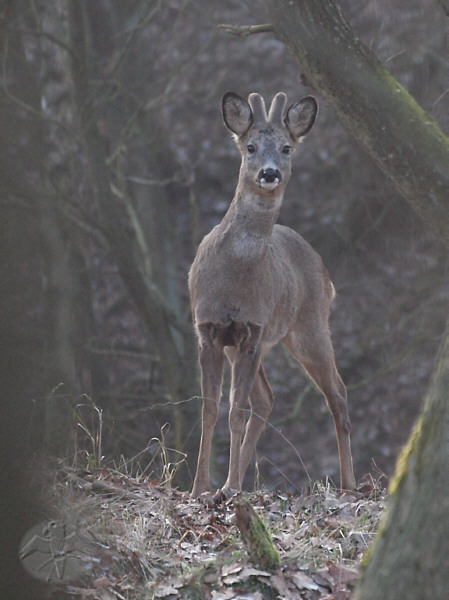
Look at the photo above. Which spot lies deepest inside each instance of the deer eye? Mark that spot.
(286, 150)
(251, 148)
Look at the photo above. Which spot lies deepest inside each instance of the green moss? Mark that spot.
(409, 451)
(265, 554)
(408, 455)
(255, 535)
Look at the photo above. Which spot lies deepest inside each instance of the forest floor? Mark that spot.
(121, 537)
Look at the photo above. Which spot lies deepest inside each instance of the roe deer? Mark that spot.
(254, 283)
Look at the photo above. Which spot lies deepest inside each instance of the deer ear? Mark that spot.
(301, 116)
(237, 113)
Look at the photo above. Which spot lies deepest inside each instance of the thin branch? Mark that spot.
(136, 354)
(31, 110)
(37, 33)
(445, 6)
(245, 30)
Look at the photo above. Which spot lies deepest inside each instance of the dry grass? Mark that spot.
(141, 540)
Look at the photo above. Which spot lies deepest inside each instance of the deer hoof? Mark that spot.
(224, 494)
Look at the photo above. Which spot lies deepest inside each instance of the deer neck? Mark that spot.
(248, 224)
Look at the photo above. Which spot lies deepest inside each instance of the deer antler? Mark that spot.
(257, 105)
(277, 109)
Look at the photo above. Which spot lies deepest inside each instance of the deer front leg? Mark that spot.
(244, 370)
(211, 364)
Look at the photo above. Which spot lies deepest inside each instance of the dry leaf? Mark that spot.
(280, 584)
(342, 574)
(102, 582)
(251, 571)
(322, 581)
(164, 589)
(230, 569)
(226, 595)
(304, 582)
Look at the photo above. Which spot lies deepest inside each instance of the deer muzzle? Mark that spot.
(269, 178)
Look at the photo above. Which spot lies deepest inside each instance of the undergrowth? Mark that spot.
(135, 537)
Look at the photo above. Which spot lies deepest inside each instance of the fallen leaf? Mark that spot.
(226, 595)
(164, 589)
(231, 579)
(243, 574)
(251, 571)
(102, 582)
(322, 581)
(230, 569)
(342, 574)
(279, 583)
(304, 582)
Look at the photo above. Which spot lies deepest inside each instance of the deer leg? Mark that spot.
(244, 369)
(315, 353)
(261, 400)
(211, 364)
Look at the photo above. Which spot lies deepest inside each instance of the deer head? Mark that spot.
(267, 141)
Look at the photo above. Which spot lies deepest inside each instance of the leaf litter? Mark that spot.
(146, 541)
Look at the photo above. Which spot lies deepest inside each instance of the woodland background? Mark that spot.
(114, 163)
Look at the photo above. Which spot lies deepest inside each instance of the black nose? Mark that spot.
(269, 175)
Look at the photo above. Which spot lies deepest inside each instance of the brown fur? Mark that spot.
(254, 283)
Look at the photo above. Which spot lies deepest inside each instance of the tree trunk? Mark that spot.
(169, 332)
(410, 557)
(404, 141)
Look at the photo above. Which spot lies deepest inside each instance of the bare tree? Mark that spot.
(79, 108)
(155, 292)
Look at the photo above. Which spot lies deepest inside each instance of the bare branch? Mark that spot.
(245, 30)
(45, 34)
(445, 6)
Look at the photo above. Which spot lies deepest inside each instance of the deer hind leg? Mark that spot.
(211, 361)
(313, 349)
(261, 401)
(245, 364)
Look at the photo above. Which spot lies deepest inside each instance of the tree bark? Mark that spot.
(410, 557)
(404, 141)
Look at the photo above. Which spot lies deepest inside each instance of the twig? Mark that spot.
(245, 30)
(104, 487)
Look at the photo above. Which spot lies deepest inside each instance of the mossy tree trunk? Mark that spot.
(410, 557)
(403, 140)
